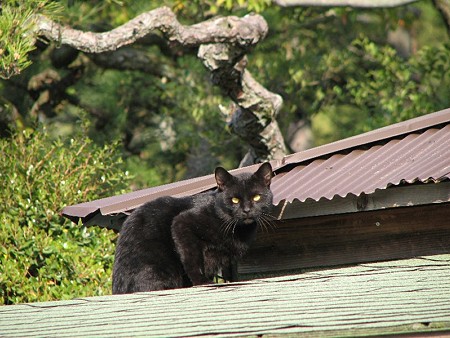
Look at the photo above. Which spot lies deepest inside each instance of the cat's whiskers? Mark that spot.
(262, 224)
(224, 226)
(228, 225)
(269, 216)
(271, 221)
(265, 221)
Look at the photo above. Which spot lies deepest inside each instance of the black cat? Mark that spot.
(179, 242)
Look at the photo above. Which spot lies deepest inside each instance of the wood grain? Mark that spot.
(381, 297)
(350, 238)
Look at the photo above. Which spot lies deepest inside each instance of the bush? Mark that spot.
(42, 255)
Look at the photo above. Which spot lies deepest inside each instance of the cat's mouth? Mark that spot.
(248, 220)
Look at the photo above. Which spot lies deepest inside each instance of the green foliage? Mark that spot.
(336, 67)
(16, 23)
(43, 256)
(389, 90)
(251, 5)
(394, 89)
(166, 119)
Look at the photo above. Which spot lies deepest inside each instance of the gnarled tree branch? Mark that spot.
(254, 119)
(223, 43)
(245, 32)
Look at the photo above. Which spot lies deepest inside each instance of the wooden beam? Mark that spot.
(350, 238)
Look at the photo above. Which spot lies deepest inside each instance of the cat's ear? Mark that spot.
(265, 173)
(222, 177)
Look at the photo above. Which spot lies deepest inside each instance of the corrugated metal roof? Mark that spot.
(420, 157)
(406, 152)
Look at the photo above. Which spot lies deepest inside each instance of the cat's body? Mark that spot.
(179, 242)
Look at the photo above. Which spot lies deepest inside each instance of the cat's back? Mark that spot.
(153, 219)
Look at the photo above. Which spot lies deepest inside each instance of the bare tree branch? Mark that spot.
(343, 3)
(223, 43)
(246, 31)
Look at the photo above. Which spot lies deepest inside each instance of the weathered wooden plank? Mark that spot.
(370, 296)
(388, 234)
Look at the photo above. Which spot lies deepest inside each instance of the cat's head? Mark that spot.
(245, 198)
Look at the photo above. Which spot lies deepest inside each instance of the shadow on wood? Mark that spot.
(350, 238)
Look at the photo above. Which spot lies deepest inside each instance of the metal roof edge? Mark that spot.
(120, 203)
(384, 133)
(131, 200)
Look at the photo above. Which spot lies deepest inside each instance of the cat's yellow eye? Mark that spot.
(235, 200)
(256, 198)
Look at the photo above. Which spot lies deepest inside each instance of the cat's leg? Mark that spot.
(119, 285)
(148, 277)
(229, 270)
(152, 278)
(190, 250)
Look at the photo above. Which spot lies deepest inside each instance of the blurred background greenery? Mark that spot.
(104, 127)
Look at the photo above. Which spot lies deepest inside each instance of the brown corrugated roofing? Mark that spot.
(420, 157)
(406, 152)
